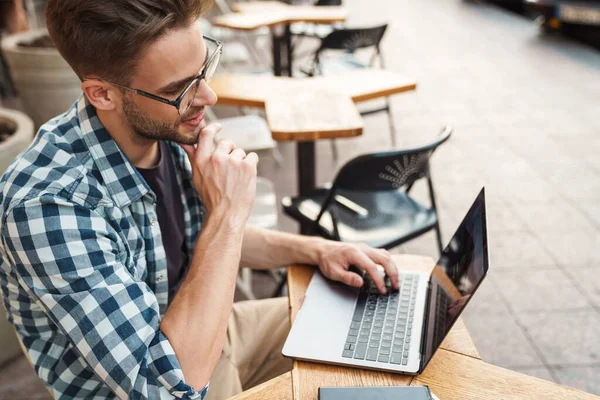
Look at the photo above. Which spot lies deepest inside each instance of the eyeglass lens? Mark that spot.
(211, 67)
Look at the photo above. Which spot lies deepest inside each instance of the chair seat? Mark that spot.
(380, 219)
(341, 63)
(249, 132)
(310, 29)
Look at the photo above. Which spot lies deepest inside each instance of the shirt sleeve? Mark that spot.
(70, 259)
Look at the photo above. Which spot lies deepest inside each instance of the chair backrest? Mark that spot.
(389, 170)
(351, 39)
(328, 3)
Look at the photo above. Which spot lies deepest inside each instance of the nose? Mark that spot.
(205, 95)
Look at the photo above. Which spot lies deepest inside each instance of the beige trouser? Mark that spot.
(252, 353)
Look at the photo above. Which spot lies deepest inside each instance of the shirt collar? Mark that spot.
(120, 176)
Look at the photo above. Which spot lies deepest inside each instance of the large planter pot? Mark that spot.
(46, 83)
(18, 141)
(9, 149)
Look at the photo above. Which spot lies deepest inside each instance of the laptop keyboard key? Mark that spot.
(372, 354)
(348, 353)
(384, 358)
(404, 361)
(361, 350)
(396, 358)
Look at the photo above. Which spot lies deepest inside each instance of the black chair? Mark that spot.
(369, 200)
(349, 41)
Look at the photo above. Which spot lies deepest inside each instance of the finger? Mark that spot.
(383, 258)
(225, 146)
(206, 139)
(251, 158)
(347, 277)
(361, 260)
(238, 154)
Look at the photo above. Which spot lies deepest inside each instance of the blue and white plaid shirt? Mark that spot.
(83, 270)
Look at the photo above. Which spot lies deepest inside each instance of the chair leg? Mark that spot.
(391, 122)
(277, 156)
(438, 235)
(279, 291)
(334, 151)
(244, 283)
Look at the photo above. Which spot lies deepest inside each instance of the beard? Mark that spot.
(146, 127)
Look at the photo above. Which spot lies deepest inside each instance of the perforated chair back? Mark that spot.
(351, 39)
(389, 170)
(328, 3)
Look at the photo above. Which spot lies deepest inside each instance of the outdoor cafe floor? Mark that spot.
(524, 108)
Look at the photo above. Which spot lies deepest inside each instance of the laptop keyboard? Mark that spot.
(381, 328)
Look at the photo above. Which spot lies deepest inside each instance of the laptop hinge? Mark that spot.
(425, 326)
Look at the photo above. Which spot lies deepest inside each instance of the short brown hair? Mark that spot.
(107, 37)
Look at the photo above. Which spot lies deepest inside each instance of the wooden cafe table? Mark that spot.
(278, 16)
(308, 109)
(456, 371)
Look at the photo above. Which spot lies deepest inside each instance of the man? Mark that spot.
(120, 251)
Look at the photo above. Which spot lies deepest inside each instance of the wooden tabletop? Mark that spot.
(452, 376)
(309, 116)
(307, 377)
(303, 109)
(257, 14)
(455, 371)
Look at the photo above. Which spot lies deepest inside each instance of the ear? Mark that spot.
(101, 94)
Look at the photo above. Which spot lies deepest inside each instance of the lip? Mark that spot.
(195, 121)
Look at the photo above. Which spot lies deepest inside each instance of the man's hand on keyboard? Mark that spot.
(335, 259)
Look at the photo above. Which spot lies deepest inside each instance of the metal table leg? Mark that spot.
(305, 156)
(281, 38)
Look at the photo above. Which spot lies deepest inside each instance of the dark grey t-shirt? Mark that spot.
(162, 179)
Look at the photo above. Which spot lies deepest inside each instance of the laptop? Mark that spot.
(400, 331)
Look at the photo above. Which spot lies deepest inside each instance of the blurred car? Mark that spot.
(554, 14)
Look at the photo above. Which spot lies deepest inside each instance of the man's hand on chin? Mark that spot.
(335, 258)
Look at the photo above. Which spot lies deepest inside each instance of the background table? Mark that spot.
(278, 16)
(455, 371)
(309, 109)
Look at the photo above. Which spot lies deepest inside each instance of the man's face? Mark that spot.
(165, 70)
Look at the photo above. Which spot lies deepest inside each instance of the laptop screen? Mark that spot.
(456, 276)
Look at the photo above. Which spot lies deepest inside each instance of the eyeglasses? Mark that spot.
(184, 101)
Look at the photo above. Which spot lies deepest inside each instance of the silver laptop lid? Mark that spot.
(456, 276)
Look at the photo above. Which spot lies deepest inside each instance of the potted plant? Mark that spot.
(46, 83)
(16, 132)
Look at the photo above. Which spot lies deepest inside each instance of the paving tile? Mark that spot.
(573, 248)
(519, 250)
(502, 219)
(588, 278)
(564, 337)
(540, 289)
(591, 208)
(583, 377)
(559, 217)
(541, 372)
(501, 342)
(520, 192)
